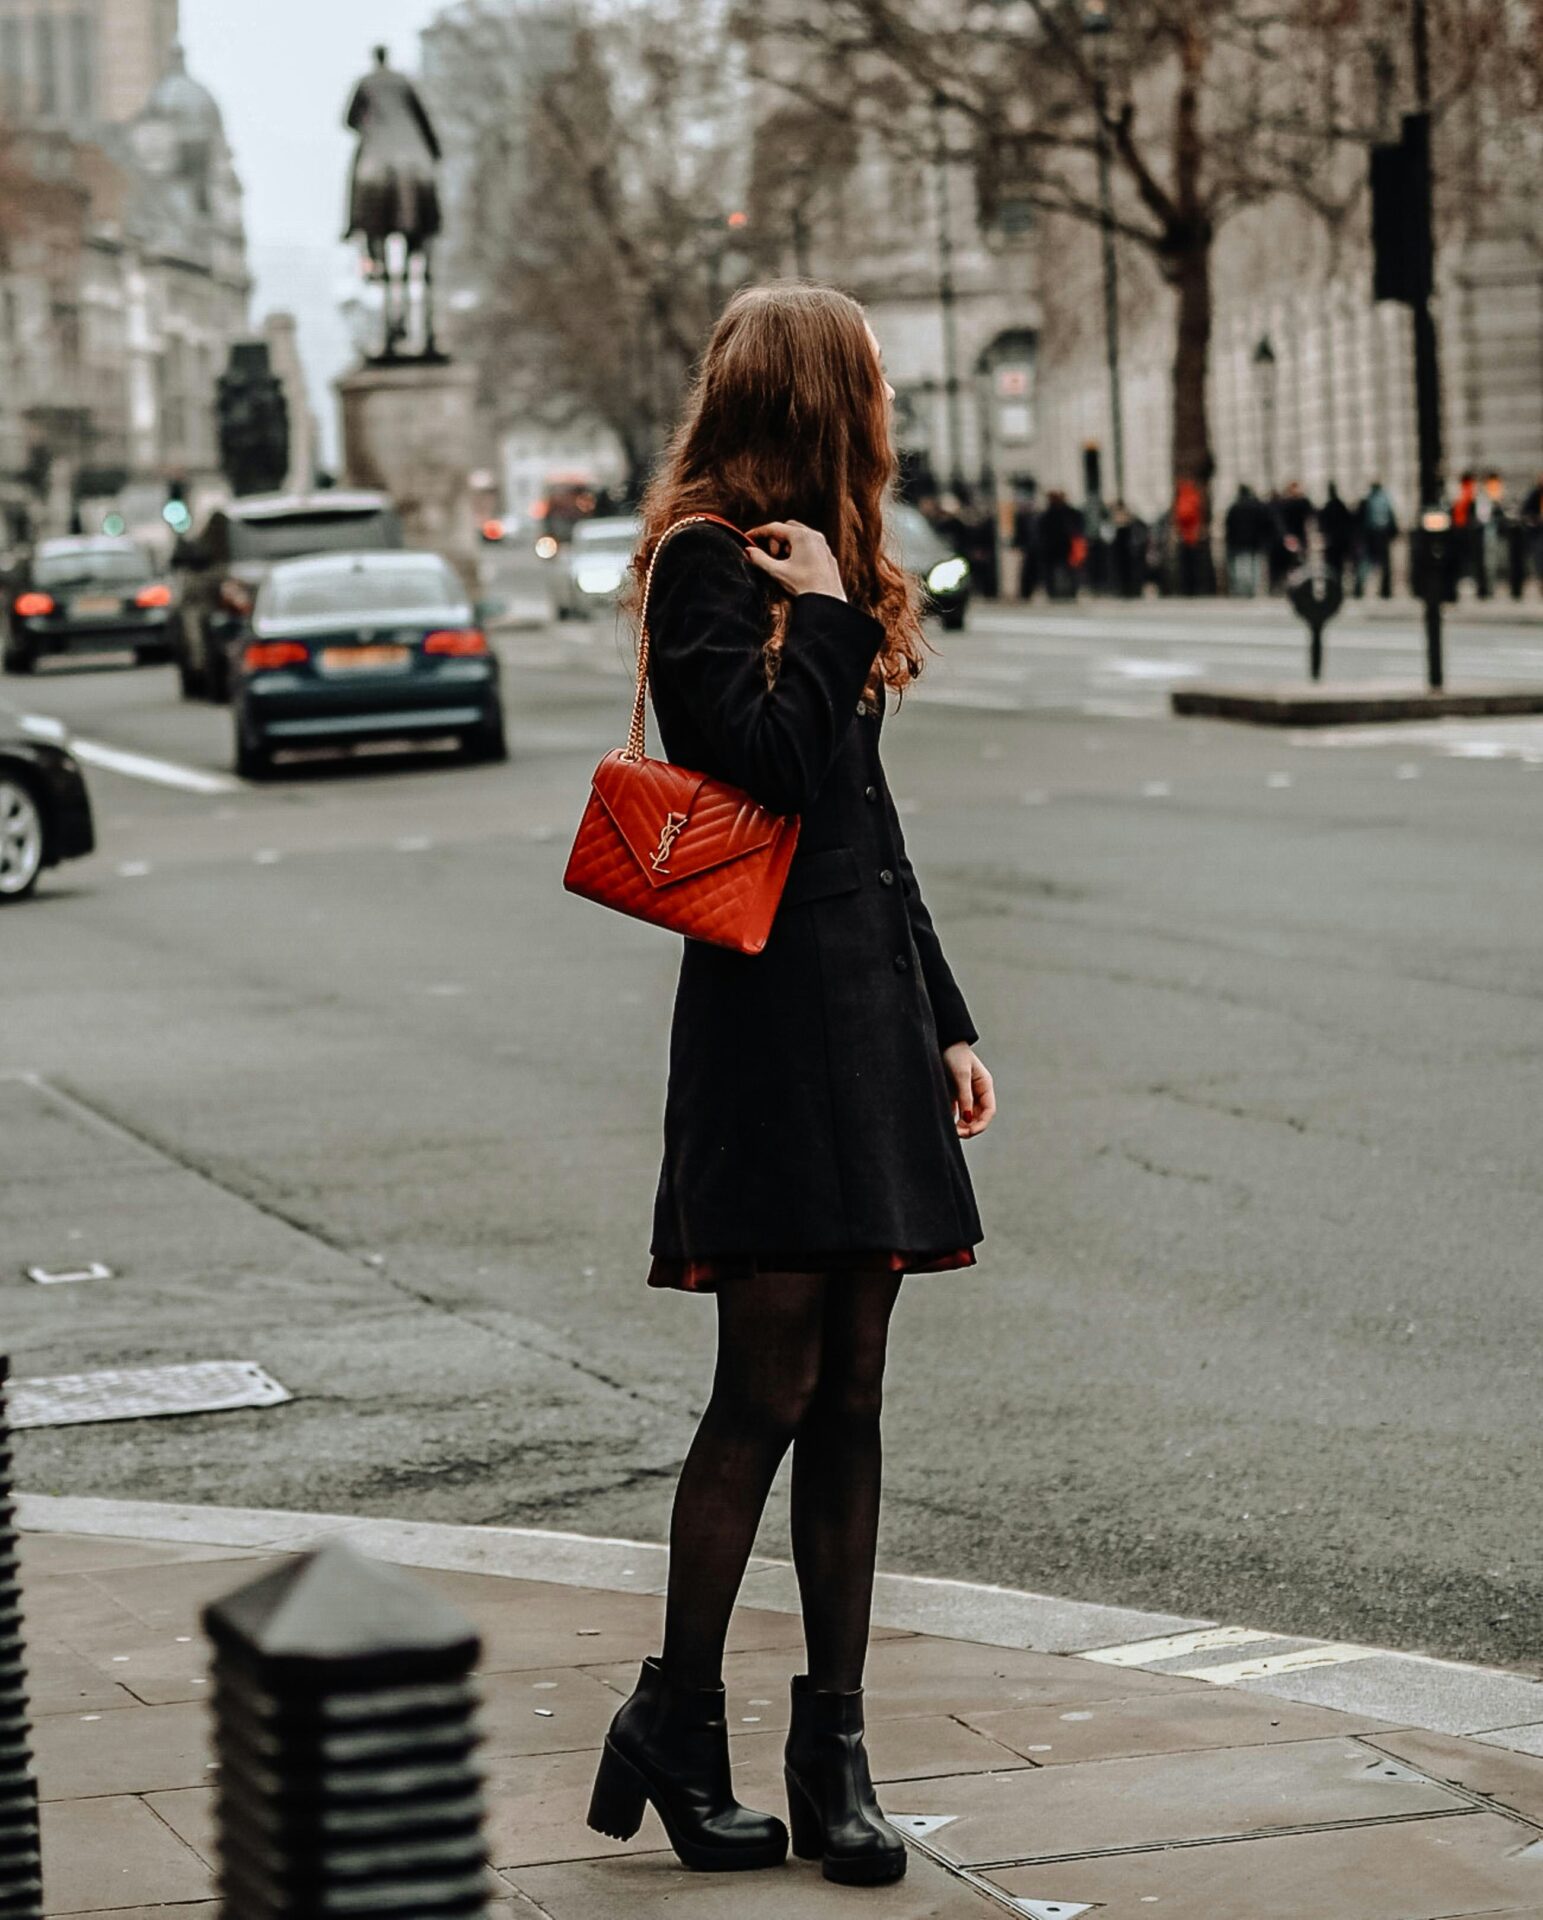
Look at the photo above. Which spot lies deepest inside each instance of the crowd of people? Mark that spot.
(1495, 542)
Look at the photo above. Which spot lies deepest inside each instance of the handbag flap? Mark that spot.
(678, 824)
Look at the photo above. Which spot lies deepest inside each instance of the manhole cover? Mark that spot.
(137, 1393)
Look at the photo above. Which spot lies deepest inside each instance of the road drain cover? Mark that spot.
(138, 1393)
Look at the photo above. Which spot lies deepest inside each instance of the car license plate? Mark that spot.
(362, 659)
(95, 603)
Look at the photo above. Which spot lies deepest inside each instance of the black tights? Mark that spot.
(800, 1360)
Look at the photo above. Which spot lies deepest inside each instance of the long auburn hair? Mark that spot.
(787, 419)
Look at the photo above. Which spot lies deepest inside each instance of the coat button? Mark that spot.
(902, 965)
(862, 709)
(886, 878)
(870, 793)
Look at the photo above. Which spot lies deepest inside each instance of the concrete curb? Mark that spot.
(1347, 704)
(1492, 1704)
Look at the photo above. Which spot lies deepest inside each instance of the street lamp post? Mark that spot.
(946, 296)
(1096, 22)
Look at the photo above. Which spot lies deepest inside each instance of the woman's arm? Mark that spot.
(708, 625)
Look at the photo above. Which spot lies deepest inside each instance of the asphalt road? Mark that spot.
(337, 1079)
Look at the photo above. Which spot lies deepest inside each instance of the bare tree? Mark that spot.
(603, 227)
(1203, 108)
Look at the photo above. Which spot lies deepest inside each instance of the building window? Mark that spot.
(10, 66)
(83, 64)
(47, 78)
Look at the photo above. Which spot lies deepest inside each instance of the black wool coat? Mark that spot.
(808, 1108)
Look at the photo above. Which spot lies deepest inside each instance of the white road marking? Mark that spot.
(414, 843)
(133, 869)
(1131, 669)
(142, 766)
(1137, 1653)
(1298, 1661)
(1156, 790)
(1278, 780)
(267, 857)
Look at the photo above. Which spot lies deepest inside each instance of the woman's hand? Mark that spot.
(799, 560)
(975, 1100)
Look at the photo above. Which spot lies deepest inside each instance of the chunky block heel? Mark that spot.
(616, 1805)
(669, 1747)
(803, 1820)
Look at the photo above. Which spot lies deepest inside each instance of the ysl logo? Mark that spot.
(669, 833)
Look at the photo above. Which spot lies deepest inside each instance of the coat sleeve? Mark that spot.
(707, 625)
(949, 1012)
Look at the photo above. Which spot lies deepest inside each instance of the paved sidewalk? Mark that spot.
(1043, 1784)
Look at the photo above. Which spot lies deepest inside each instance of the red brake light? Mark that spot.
(234, 597)
(492, 529)
(274, 653)
(30, 605)
(456, 640)
(153, 597)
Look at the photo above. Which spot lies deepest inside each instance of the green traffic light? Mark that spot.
(175, 514)
(114, 524)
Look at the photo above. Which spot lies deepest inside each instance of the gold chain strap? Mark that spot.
(635, 736)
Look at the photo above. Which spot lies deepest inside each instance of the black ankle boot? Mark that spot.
(831, 1806)
(670, 1744)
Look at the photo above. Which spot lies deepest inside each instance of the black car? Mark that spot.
(85, 593)
(943, 573)
(363, 646)
(221, 570)
(45, 812)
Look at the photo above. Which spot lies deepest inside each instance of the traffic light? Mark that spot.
(1400, 183)
(176, 513)
(253, 421)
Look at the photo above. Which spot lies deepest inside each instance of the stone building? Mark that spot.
(123, 276)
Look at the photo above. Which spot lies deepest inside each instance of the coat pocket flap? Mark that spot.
(819, 876)
(677, 824)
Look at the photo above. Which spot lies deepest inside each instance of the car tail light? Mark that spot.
(265, 654)
(456, 640)
(30, 605)
(492, 529)
(234, 597)
(153, 597)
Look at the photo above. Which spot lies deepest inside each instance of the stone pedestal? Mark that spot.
(410, 431)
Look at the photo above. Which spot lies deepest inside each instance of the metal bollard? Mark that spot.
(344, 1733)
(21, 1863)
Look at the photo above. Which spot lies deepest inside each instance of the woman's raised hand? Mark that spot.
(799, 561)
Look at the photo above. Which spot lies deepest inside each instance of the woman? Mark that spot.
(818, 1090)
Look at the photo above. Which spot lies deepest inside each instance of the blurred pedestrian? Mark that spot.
(1290, 512)
(1336, 528)
(1463, 541)
(1243, 535)
(1191, 534)
(980, 547)
(1060, 530)
(1531, 517)
(1128, 552)
(1377, 529)
(815, 1113)
(1026, 537)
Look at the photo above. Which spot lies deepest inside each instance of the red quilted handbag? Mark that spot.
(690, 853)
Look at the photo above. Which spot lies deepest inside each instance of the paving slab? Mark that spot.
(59, 1680)
(1514, 1781)
(1115, 1729)
(1445, 1697)
(174, 1594)
(43, 1553)
(114, 1852)
(1048, 1813)
(1410, 1870)
(565, 1627)
(648, 1885)
(81, 1755)
(544, 1710)
(1518, 1739)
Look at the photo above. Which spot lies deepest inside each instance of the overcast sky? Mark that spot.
(282, 73)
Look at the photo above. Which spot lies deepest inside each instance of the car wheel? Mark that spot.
(23, 840)
(489, 742)
(15, 661)
(953, 620)
(254, 757)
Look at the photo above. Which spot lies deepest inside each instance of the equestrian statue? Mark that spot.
(393, 191)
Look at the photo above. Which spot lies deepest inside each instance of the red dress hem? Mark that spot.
(703, 1276)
